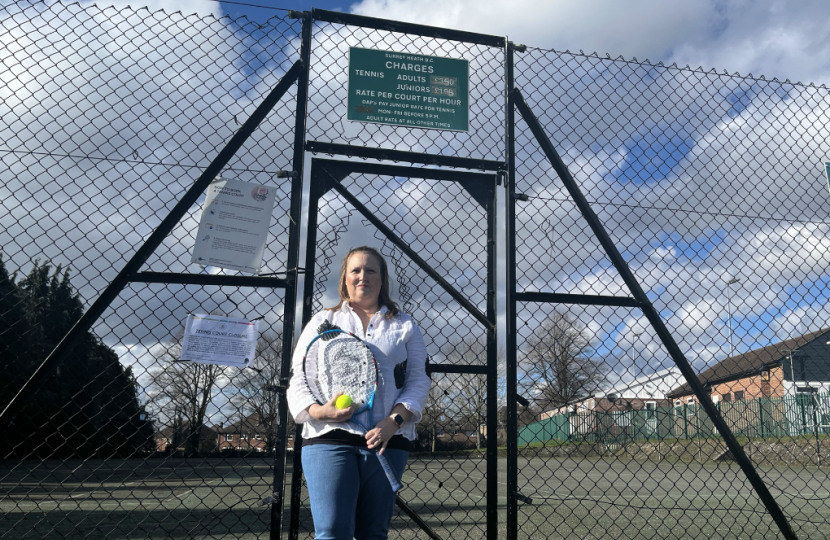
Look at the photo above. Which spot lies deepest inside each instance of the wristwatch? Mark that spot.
(398, 419)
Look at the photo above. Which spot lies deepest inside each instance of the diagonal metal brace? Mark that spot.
(84, 324)
(652, 315)
(403, 246)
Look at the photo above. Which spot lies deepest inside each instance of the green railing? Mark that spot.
(788, 416)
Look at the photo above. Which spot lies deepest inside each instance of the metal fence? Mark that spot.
(606, 231)
(762, 418)
(710, 188)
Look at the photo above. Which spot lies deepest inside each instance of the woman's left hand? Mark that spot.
(380, 435)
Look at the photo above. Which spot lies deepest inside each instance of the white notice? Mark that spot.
(213, 339)
(234, 225)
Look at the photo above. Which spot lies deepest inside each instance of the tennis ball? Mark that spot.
(343, 402)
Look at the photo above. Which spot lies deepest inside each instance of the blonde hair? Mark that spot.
(384, 298)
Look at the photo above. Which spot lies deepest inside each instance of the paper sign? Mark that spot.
(213, 339)
(234, 225)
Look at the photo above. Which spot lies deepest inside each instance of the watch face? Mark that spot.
(398, 420)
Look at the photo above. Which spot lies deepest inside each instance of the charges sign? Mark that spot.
(411, 90)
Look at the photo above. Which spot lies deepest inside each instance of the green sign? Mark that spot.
(411, 90)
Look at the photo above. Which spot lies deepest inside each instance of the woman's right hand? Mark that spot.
(329, 412)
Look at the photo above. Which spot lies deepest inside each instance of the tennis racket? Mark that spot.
(337, 361)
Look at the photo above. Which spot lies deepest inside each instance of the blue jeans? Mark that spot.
(350, 494)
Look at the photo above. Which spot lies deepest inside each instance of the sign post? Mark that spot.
(412, 90)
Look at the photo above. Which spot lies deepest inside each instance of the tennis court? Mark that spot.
(568, 498)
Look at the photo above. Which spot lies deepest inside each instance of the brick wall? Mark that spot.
(753, 387)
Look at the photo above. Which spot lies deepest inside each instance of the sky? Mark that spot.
(775, 38)
(698, 176)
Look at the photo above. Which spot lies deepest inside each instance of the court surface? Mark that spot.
(563, 498)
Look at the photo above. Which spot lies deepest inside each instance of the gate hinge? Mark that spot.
(270, 499)
(287, 174)
(521, 197)
(278, 388)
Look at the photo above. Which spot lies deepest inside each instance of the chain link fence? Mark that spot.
(710, 185)
(108, 116)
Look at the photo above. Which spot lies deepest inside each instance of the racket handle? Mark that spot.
(390, 474)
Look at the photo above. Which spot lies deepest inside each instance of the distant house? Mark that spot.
(248, 433)
(618, 403)
(778, 389)
(176, 435)
(645, 392)
(797, 365)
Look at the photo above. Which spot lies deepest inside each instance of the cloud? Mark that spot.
(696, 176)
(770, 37)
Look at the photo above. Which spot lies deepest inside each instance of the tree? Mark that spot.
(13, 327)
(468, 391)
(256, 388)
(558, 364)
(434, 414)
(89, 405)
(182, 391)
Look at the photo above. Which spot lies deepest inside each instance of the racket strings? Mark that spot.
(342, 363)
(346, 365)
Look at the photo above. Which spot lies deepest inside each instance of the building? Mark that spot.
(615, 409)
(645, 392)
(245, 434)
(176, 436)
(780, 389)
(782, 369)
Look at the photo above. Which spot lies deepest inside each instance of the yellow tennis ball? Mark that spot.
(343, 402)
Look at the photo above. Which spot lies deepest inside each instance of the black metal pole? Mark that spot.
(653, 316)
(64, 348)
(315, 191)
(293, 276)
(417, 519)
(492, 423)
(510, 300)
(308, 277)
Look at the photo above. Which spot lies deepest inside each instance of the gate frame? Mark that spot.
(326, 175)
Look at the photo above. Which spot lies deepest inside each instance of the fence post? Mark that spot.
(761, 417)
(685, 410)
(814, 407)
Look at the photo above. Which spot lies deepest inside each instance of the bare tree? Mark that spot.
(468, 391)
(182, 391)
(558, 362)
(257, 396)
(435, 412)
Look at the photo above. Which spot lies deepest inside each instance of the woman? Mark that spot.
(350, 494)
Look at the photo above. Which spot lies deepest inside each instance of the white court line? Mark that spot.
(179, 496)
(103, 502)
(86, 495)
(719, 494)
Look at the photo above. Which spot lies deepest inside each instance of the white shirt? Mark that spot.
(392, 341)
